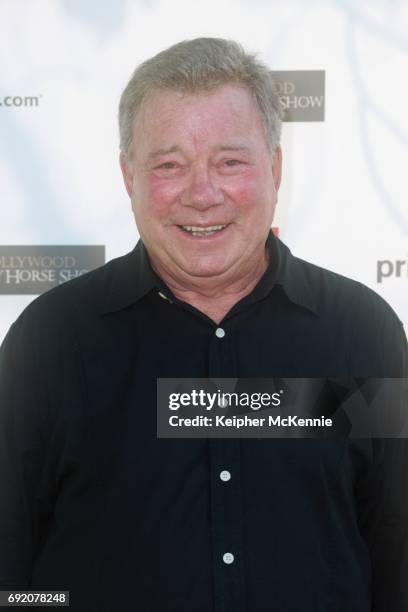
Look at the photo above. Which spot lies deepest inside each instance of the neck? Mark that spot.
(214, 296)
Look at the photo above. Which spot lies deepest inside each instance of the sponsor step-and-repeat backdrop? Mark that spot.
(337, 69)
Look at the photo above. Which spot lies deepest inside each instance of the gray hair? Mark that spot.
(198, 66)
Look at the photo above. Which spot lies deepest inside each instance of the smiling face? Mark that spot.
(203, 183)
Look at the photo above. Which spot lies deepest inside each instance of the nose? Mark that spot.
(201, 192)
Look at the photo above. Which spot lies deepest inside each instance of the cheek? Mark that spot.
(163, 194)
(249, 195)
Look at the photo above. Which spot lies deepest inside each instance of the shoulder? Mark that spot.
(56, 315)
(82, 296)
(374, 332)
(334, 291)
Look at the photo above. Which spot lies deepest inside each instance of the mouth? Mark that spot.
(203, 232)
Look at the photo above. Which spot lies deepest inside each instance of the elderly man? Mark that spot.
(92, 501)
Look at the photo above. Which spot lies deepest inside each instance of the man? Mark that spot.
(92, 501)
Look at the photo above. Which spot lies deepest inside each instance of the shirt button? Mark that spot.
(225, 475)
(164, 297)
(228, 558)
(219, 332)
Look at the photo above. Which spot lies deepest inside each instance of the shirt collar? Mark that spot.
(132, 276)
(292, 274)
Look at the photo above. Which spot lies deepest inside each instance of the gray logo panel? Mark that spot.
(33, 269)
(302, 94)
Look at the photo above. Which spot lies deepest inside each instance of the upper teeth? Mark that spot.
(211, 228)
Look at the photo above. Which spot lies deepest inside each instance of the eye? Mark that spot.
(230, 163)
(166, 166)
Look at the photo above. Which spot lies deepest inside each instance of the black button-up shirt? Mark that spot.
(93, 502)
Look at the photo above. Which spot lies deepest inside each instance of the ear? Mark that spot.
(277, 167)
(127, 173)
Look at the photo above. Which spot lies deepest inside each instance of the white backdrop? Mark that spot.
(342, 201)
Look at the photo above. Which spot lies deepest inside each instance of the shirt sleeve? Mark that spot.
(382, 494)
(22, 448)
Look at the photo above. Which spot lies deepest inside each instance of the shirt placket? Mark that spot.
(226, 495)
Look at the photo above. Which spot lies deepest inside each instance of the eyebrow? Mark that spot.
(175, 149)
(232, 148)
(158, 152)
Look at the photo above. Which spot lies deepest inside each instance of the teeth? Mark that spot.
(202, 231)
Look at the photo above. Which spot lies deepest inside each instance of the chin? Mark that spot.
(205, 269)
(202, 273)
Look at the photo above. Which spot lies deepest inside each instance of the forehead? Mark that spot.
(228, 112)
